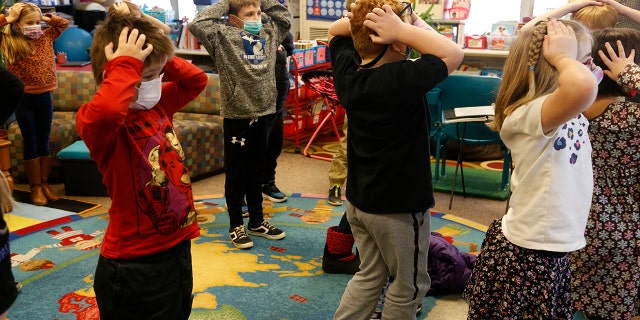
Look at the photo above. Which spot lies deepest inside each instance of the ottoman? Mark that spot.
(79, 173)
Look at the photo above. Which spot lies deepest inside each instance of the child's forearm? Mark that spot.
(429, 42)
(278, 13)
(632, 14)
(560, 12)
(213, 12)
(340, 27)
(161, 25)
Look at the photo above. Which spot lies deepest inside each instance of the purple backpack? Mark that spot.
(448, 268)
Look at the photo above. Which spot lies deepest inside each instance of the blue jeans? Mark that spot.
(34, 116)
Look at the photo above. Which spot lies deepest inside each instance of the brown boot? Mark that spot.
(45, 163)
(338, 256)
(32, 167)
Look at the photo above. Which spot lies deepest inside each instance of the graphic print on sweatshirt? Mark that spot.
(253, 47)
(573, 137)
(163, 184)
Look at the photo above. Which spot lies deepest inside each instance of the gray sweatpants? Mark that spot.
(389, 244)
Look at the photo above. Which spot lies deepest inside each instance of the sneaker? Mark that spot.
(273, 193)
(265, 229)
(239, 238)
(245, 209)
(334, 198)
(18, 286)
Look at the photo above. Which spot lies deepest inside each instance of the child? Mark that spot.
(29, 54)
(144, 270)
(8, 289)
(12, 90)
(276, 124)
(523, 268)
(594, 14)
(128, 8)
(605, 273)
(244, 52)
(388, 147)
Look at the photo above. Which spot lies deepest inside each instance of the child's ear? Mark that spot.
(234, 20)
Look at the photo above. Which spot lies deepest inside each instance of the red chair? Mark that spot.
(321, 81)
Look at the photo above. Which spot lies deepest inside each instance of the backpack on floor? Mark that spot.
(448, 268)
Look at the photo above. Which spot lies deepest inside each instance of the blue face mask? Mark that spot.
(252, 26)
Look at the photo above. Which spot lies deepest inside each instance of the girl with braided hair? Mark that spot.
(522, 271)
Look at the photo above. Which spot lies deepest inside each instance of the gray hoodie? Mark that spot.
(245, 62)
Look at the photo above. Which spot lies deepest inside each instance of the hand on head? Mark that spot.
(385, 23)
(122, 8)
(560, 42)
(129, 44)
(618, 61)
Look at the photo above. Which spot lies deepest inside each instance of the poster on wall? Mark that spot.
(330, 10)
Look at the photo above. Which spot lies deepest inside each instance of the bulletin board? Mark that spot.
(330, 10)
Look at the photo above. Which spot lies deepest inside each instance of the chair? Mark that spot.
(321, 81)
(457, 91)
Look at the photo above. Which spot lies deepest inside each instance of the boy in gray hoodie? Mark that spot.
(244, 52)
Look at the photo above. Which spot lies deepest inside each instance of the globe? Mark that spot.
(75, 42)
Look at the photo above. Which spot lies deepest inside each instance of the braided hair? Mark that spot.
(527, 79)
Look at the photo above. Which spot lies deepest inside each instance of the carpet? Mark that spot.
(26, 218)
(274, 280)
(482, 179)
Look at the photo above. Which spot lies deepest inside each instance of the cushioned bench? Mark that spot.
(80, 174)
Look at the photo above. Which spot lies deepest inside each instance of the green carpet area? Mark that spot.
(480, 183)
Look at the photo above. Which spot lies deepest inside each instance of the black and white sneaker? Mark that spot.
(271, 192)
(265, 229)
(239, 238)
(334, 198)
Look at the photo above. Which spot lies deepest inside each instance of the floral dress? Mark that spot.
(606, 273)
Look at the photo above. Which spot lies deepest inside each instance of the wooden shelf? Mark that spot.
(485, 53)
(192, 52)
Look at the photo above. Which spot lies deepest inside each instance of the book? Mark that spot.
(469, 114)
(75, 63)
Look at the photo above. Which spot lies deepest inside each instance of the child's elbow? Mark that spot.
(454, 60)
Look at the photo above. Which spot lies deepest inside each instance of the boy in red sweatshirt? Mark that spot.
(144, 270)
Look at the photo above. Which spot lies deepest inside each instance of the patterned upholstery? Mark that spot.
(198, 126)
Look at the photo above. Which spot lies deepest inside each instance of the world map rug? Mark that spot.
(280, 279)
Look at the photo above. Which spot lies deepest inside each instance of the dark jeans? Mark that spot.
(153, 287)
(245, 145)
(34, 119)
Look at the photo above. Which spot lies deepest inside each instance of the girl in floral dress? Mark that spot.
(606, 273)
(522, 271)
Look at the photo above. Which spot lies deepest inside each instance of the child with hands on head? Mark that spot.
(28, 51)
(523, 267)
(609, 258)
(145, 268)
(244, 51)
(384, 95)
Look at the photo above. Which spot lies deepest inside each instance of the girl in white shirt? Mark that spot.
(523, 268)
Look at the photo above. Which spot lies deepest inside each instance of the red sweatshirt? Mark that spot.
(140, 158)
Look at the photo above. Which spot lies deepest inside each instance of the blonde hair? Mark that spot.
(13, 43)
(109, 30)
(360, 34)
(527, 74)
(597, 17)
(6, 199)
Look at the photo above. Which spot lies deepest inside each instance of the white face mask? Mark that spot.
(149, 94)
